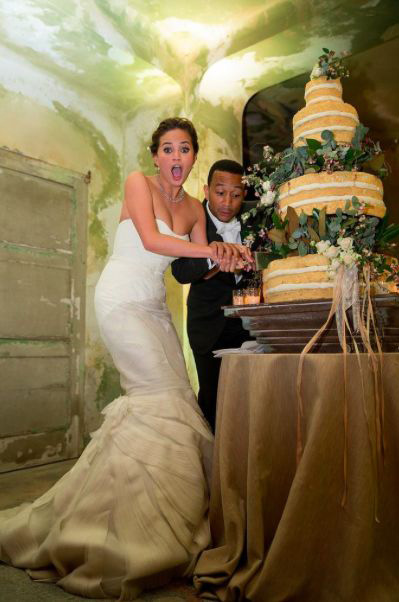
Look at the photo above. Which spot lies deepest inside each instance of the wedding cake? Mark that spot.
(329, 189)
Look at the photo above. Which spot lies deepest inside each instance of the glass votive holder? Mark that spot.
(252, 296)
(238, 297)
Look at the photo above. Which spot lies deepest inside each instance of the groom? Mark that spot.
(207, 327)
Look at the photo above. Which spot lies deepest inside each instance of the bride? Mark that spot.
(132, 512)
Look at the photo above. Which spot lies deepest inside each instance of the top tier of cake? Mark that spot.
(325, 110)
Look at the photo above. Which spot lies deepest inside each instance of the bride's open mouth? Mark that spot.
(177, 172)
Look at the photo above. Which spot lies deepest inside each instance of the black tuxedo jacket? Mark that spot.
(205, 318)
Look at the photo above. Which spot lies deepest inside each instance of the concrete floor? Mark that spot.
(22, 486)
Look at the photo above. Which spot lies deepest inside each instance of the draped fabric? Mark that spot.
(279, 531)
(132, 512)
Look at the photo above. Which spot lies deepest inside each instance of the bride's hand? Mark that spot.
(240, 257)
(231, 257)
(223, 251)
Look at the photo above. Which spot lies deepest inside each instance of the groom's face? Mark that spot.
(225, 194)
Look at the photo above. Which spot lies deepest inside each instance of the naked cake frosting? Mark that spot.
(325, 109)
(332, 191)
(297, 279)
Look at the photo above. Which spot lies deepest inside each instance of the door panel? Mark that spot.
(36, 394)
(36, 300)
(35, 211)
(42, 286)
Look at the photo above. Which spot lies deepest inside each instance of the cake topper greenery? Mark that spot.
(372, 240)
(330, 65)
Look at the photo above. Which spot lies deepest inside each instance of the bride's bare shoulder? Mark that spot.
(195, 204)
(136, 180)
(136, 176)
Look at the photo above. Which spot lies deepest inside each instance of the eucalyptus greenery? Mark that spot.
(373, 238)
(314, 156)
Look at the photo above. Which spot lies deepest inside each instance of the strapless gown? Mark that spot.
(132, 512)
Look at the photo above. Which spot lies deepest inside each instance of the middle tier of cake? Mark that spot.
(332, 191)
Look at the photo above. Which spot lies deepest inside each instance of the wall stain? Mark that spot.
(109, 164)
(109, 387)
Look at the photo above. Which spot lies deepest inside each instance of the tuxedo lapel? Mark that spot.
(211, 232)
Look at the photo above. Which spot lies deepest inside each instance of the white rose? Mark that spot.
(335, 264)
(345, 243)
(348, 259)
(268, 198)
(245, 216)
(322, 246)
(316, 72)
(249, 240)
(266, 185)
(332, 252)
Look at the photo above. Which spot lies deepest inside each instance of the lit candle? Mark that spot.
(238, 297)
(252, 296)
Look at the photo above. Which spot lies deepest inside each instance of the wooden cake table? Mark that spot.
(287, 327)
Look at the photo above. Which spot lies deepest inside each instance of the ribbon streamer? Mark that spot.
(346, 296)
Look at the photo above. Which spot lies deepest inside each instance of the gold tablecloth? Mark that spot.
(279, 530)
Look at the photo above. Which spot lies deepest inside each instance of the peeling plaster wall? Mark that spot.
(84, 83)
(42, 117)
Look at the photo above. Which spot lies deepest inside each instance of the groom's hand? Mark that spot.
(227, 255)
(231, 257)
(242, 256)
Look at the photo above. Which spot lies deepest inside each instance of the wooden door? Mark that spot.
(42, 291)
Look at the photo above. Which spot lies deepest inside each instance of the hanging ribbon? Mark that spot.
(346, 296)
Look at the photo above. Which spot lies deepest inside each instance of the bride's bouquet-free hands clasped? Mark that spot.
(231, 257)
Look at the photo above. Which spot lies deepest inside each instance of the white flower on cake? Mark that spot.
(350, 258)
(268, 152)
(268, 198)
(345, 243)
(343, 254)
(334, 267)
(316, 72)
(249, 240)
(332, 252)
(322, 246)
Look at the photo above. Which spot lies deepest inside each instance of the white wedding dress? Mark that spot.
(132, 512)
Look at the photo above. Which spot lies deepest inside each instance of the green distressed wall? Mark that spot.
(83, 83)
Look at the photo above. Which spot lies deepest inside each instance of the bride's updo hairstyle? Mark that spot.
(174, 123)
